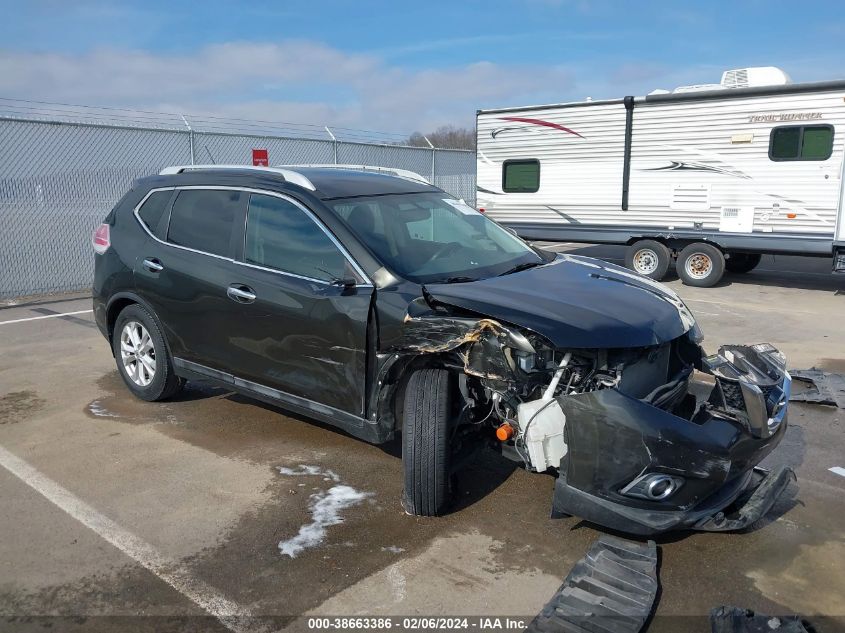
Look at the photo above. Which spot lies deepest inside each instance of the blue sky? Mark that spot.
(397, 66)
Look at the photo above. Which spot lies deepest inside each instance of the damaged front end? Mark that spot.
(686, 454)
(643, 439)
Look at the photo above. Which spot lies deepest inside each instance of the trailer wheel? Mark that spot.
(425, 442)
(649, 258)
(742, 262)
(701, 265)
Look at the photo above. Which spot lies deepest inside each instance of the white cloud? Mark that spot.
(311, 82)
(299, 81)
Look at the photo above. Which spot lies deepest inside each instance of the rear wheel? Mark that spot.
(742, 262)
(425, 441)
(649, 258)
(701, 264)
(142, 357)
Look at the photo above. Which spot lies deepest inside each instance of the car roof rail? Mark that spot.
(288, 174)
(395, 171)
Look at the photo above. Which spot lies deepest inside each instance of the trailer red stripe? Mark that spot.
(519, 119)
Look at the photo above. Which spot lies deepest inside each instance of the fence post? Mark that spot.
(433, 158)
(190, 137)
(334, 142)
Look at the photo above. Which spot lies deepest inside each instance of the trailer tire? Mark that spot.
(425, 442)
(649, 258)
(701, 265)
(742, 262)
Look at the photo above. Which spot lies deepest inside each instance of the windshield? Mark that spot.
(431, 237)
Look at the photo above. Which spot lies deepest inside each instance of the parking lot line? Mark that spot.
(67, 317)
(230, 614)
(46, 316)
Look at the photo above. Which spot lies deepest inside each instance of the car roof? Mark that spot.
(326, 182)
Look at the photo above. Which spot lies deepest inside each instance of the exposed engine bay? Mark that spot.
(642, 439)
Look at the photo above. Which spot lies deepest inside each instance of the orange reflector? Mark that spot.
(504, 432)
(792, 216)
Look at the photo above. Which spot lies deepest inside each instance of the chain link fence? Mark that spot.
(58, 179)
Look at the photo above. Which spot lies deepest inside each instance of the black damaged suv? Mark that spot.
(374, 301)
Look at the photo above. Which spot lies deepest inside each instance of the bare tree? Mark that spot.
(445, 137)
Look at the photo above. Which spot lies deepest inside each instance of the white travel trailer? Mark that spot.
(707, 176)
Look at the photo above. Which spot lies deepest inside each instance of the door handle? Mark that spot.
(240, 293)
(153, 265)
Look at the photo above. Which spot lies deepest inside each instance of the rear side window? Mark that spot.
(282, 236)
(203, 219)
(801, 142)
(153, 209)
(521, 176)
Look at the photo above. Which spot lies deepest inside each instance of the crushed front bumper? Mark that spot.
(758, 489)
(618, 444)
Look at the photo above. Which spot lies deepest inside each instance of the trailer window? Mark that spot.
(801, 142)
(521, 176)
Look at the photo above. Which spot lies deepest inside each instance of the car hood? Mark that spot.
(577, 302)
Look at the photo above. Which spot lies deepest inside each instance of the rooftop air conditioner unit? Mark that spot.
(754, 77)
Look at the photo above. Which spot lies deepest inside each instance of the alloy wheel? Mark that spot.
(137, 353)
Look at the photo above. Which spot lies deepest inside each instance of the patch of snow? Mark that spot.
(308, 470)
(325, 512)
(393, 549)
(100, 411)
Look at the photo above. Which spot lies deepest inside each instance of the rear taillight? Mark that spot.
(101, 239)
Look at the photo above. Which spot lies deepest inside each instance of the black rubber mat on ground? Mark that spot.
(611, 590)
(828, 388)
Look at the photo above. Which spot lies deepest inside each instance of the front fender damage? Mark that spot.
(483, 345)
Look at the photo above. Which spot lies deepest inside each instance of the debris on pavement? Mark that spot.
(728, 619)
(611, 589)
(829, 387)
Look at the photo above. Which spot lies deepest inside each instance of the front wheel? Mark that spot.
(742, 262)
(142, 357)
(425, 441)
(701, 264)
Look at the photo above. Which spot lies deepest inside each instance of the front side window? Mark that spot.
(281, 236)
(203, 219)
(801, 142)
(521, 176)
(153, 209)
(431, 237)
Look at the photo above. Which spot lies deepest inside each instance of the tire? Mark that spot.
(742, 262)
(425, 442)
(701, 265)
(138, 346)
(649, 258)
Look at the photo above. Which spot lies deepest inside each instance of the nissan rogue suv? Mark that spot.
(376, 302)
